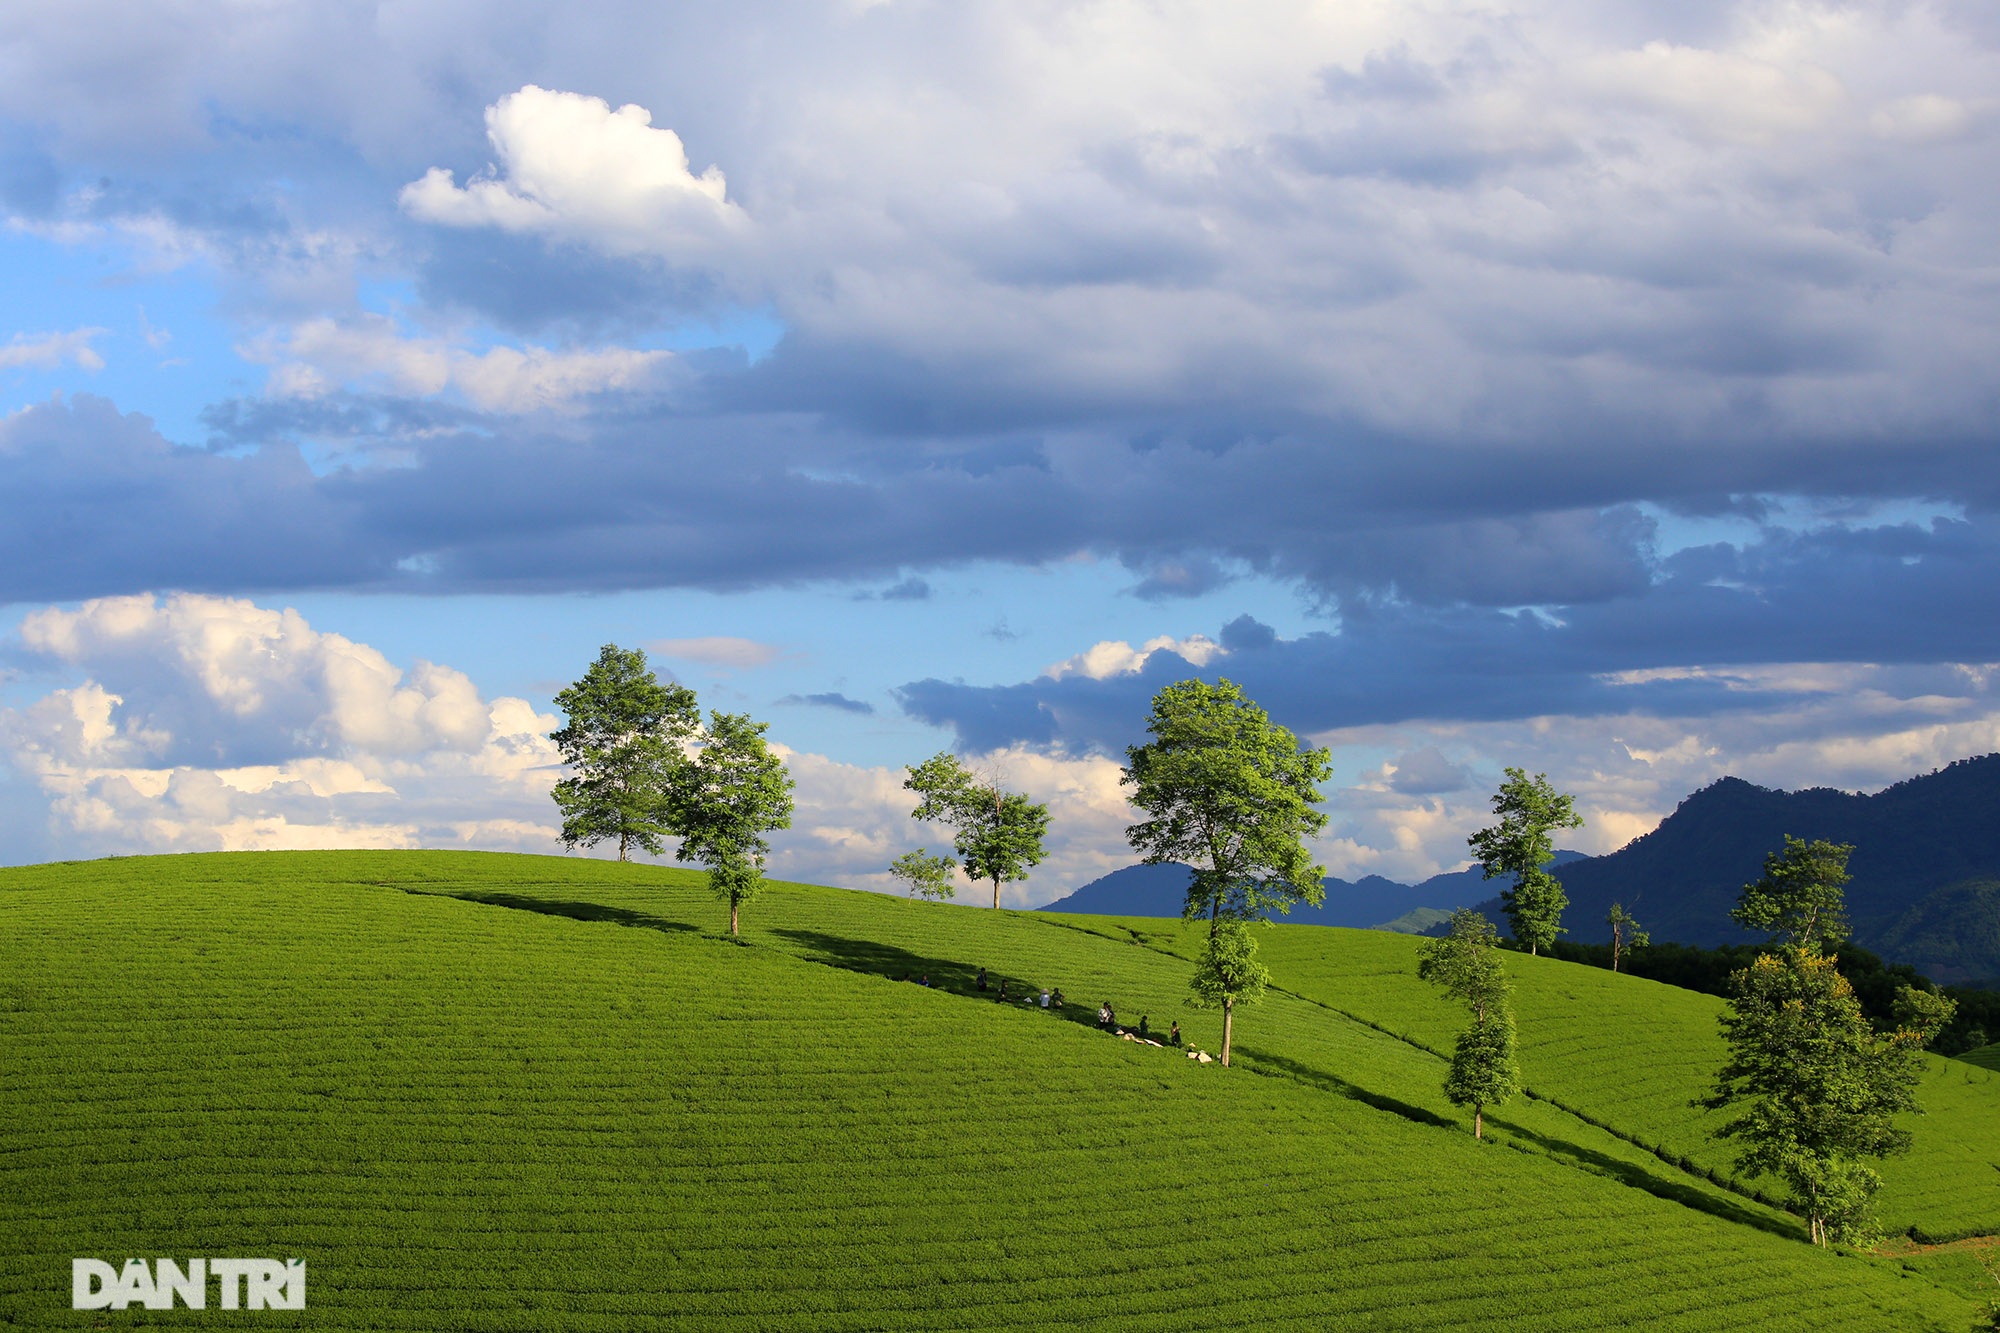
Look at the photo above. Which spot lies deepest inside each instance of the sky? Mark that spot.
(1606, 390)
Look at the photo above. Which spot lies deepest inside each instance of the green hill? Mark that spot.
(494, 1092)
(1630, 1053)
(1986, 1057)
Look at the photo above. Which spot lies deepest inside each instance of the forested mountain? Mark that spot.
(1920, 849)
(1926, 868)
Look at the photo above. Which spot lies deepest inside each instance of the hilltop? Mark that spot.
(478, 1091)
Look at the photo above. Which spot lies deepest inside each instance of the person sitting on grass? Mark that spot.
(1145, 1028)
(1104, 1014)
(1055, 999)
(1174, 1034)
(1003, 990)
(982, 978)
(1045, 997)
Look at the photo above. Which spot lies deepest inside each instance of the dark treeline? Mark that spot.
(1707, 970)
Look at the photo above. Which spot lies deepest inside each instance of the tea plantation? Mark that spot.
(524, 1093)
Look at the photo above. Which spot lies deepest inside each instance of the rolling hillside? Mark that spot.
(497, 1092)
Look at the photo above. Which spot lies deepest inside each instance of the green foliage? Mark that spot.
(1231, 794)
(514, 1093)
(927, 876)
(998, 832)
(1520, 845)
(1815, 1088)
(1800, 899)
(1626, 1052)
(1226, 971)
(1626, 933)
(1465, 965)
(622, 745)
(727, 798)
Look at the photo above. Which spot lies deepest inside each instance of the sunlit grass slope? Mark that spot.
(487, 1092)
(1986, 1057)
(1630, 1054)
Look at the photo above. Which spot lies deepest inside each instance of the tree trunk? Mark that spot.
(624, 837)
(996, 892)
(1228, 1021)
(1478, 1121)
(732, 916)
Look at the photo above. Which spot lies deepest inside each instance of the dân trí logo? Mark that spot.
(245, 1284)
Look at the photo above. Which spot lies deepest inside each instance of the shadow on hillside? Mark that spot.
(1664, 1182)
(1319, 1078)
(948, 974)
(575, 911)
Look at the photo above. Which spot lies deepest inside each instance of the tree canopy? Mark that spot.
(622, 744)
(997, 833)
(729, 796)
(1801, 898)
(1816, 1088)
(1520, 845)
(925, 875)
(1231, 794)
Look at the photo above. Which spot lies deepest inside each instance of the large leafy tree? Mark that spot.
(1232, 794)
(1816, 1089)
(729, 796)
(997, 833)
(622, 744)
(1801, 898)
(1465, 964)
(1521, 845)
(1225, 972)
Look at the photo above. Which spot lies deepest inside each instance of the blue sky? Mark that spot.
(1602, 389)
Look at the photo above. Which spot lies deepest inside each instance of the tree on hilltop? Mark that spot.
(622, 744)
(1626, 933)
(1520, 845)
(1231, 794)
(998, 832)
(729, 795)
(1465, 964)
(926, 876)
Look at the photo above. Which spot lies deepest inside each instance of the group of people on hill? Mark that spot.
(1107, 1018)
(1052, 998)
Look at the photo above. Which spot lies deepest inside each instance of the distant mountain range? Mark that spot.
(1371, 902)
(1925, 889)
(1925, 865)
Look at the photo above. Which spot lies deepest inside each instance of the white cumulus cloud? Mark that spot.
(321, 355)
(209, 723)
(47, 351)
(1116, 657)
(570, 166)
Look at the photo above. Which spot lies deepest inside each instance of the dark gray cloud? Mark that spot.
(1429, 327)
(1906, 595)
(831, 700)
(1426, 772)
